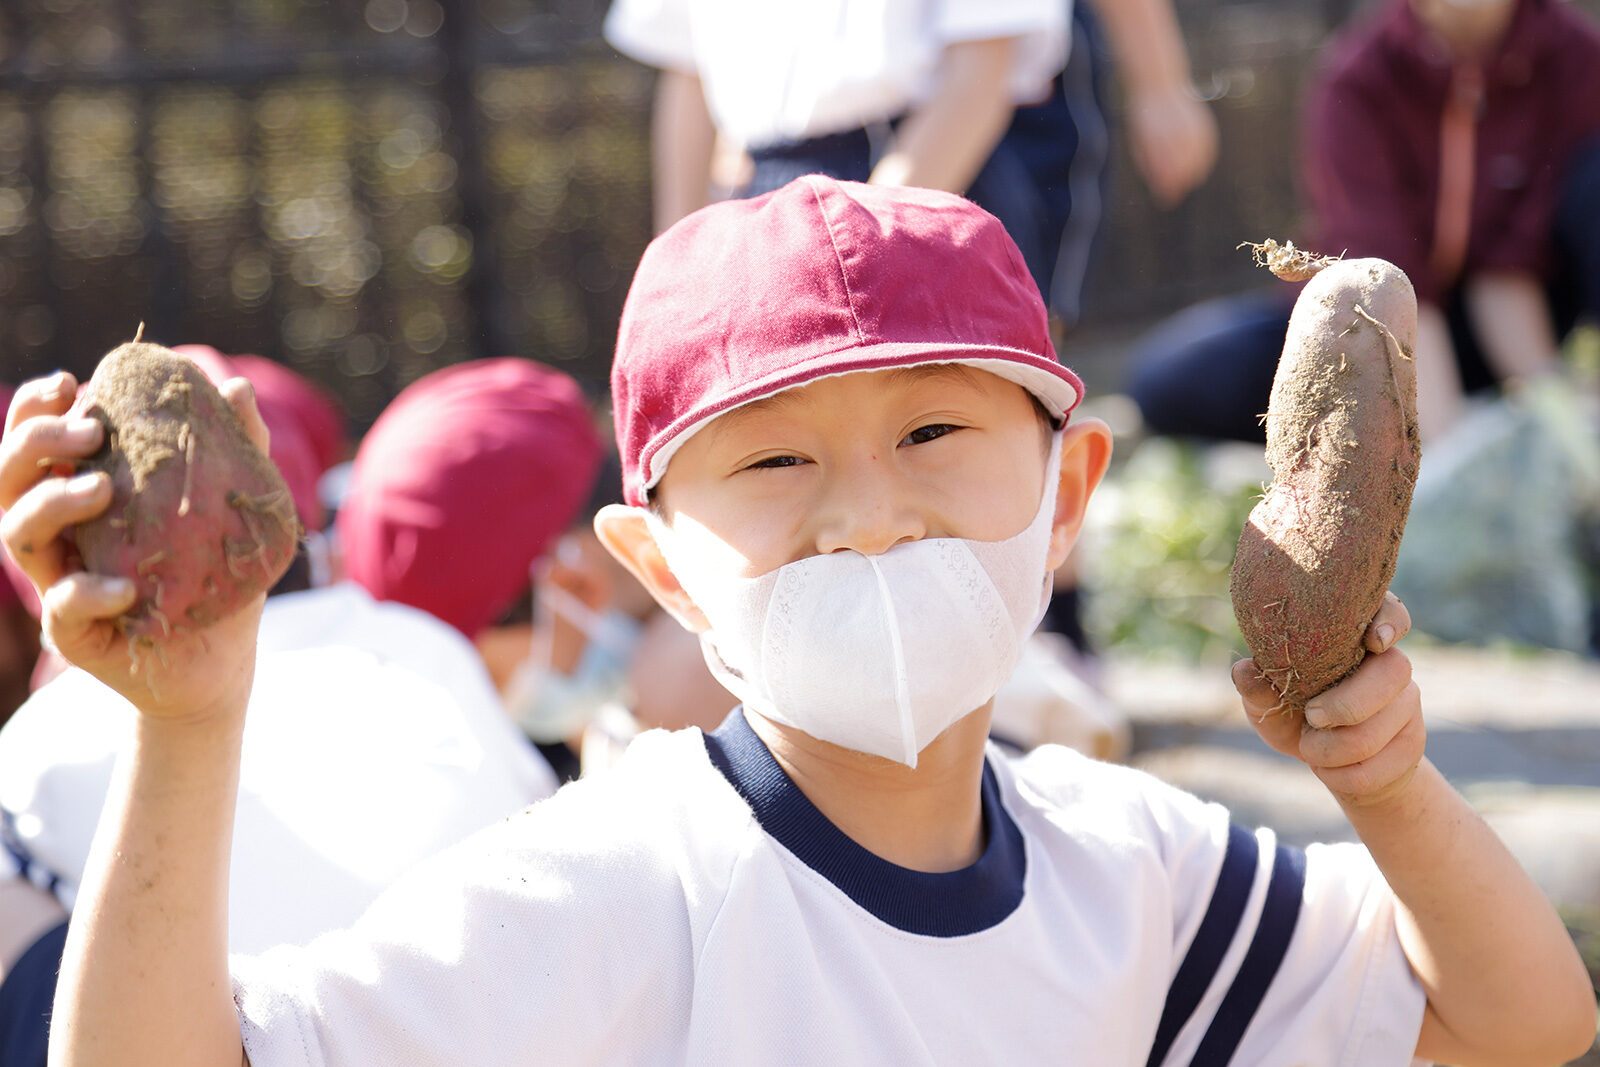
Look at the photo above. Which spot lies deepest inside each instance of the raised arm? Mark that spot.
(945, 142)
(145, 975)
(682, 139)
(1172, 133)
(1511, 314)
(1504, 983)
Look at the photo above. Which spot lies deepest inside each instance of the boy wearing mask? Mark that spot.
(848, 464)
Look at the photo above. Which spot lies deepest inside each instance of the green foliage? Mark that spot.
(1161, 535)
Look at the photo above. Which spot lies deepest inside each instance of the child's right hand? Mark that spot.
(1364, 737)
(197, 674)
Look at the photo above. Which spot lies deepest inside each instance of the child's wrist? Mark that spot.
(219, 720)
(1396, 798)
(220, 706)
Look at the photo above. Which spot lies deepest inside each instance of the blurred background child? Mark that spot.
(1460, 140)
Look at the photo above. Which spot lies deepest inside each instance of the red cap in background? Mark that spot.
(319, 413)
(467, 478)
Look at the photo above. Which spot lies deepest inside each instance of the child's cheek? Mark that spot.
(714, 553)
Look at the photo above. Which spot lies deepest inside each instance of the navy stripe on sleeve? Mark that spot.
(1211, 940)
(26, 994)
(12, 844)
(1273, 932)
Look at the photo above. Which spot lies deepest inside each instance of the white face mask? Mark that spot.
(551, 706)
(880, 654)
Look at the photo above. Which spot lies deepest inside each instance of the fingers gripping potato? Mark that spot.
(1364, 738)
(171, 526)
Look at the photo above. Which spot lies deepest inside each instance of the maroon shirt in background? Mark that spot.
(1372, 152)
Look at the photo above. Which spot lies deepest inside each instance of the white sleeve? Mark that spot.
(1296, 958)
(1042, 29)
(1278, 955)
(654, 32)
(544, 939)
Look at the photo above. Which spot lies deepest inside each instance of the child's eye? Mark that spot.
(775, 462)
(924, 434)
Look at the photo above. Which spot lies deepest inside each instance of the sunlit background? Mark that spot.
(364, 191)
(368, 191)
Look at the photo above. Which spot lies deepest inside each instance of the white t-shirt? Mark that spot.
(693, 907)
(374, 739)
(779, 70)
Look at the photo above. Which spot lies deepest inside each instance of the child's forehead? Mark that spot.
(953, 380)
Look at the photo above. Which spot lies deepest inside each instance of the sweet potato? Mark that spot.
(1318, 551)
(200, 519)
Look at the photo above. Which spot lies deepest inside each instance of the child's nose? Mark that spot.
(867, 511)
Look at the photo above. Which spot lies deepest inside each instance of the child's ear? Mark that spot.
(626, 535)
(1085, 455)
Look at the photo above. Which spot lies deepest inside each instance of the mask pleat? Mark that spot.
(902, 684)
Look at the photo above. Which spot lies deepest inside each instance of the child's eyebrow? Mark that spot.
(898, 377)
(731, 420)
(924, 372)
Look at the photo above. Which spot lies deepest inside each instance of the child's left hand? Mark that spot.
(1364, 737)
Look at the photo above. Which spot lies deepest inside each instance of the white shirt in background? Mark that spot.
(779, 70)
(374, 739)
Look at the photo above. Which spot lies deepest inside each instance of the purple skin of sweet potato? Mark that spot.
(1319, 549)
(200, 519)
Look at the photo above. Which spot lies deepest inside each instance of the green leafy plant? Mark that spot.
(1161, 535)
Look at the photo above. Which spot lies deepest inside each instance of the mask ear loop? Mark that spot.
(1047, 503)
(588, 622)
(541, 638)
(902, 689)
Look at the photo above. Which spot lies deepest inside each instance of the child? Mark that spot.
(965, 95)
(461, 489)
(845, 445)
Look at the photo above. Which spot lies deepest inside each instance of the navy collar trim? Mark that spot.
(951, 904)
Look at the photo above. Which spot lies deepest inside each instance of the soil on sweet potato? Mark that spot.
(200, 518)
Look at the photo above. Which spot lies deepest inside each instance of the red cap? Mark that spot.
(466, 478)
(746, 298)
(291, 448)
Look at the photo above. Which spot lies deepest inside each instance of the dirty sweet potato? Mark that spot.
(200, 519)
(1318, 551)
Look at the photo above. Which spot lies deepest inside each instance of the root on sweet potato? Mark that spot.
(1286, 261)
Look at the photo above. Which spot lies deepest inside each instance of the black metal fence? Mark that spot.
(365, 191)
